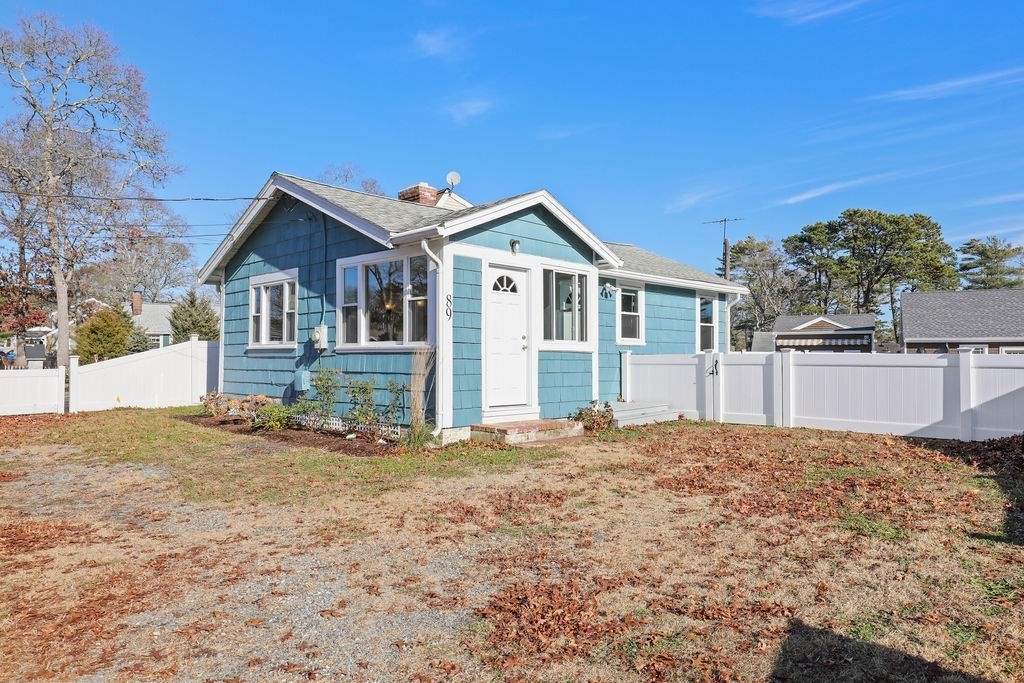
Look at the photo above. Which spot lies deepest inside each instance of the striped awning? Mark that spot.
(825, 341)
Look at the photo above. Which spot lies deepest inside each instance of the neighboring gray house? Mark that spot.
(838, 333)
(975, 320)
(154, 318)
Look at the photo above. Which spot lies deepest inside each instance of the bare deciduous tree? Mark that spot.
(87, 117)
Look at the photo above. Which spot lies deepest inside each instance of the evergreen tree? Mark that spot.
(138, 340)
(991, 264)
(194, 315)
(104, 335)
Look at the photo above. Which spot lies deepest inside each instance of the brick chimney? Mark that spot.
(137, 302)
(420, 193)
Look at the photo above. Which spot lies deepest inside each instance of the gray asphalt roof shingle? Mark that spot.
(155, 318)
(788, 323)
(646, 262)
(398, 216)
(394, 215)
(971, 314)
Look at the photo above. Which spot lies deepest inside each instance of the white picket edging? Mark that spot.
(176, 375)
(29, 392)
(948, 396)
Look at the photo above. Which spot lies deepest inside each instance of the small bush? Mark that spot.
(274, 417)
(595, 417)
(326, 384)
(215, 403)
(418, 436)
(364, 406)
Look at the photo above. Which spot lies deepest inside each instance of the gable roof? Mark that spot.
(981, 314)
(847, 321)
(388, 221)
(155, 318)
(637, 261)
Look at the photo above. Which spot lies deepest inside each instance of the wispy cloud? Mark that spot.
(953, 86)
(999, 199)
(438, 43)
(565, 132)
(823, 190)
(691, 199)
(465, 110)
(1016, 232)
(796, 12)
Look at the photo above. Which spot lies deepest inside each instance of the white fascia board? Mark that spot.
(505, 208)
(821, 318)
(674, 282)
(263, 202)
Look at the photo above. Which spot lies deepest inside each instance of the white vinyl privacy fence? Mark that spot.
(176, 375)
(27, 392)
(966, 396)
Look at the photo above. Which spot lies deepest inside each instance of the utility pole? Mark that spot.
(725, 241)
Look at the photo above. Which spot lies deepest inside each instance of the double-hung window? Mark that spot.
(565, 306)
(706, 323)
(273, 306)
(383, 302)
(630, 323)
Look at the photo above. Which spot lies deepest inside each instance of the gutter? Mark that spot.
(439, 376)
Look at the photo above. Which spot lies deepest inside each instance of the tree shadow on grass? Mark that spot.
(823, 656)
(1000, 461)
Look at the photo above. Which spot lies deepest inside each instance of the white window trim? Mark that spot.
(641, 305)
(714, 319)
(973, 348)
(361, 262)
(590, 308)
(257, 283)
(1012, 350)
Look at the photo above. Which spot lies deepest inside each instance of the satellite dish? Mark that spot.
(453, 179)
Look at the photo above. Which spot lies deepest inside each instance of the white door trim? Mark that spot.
(529, 410)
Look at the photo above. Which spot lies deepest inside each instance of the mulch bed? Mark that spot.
(361, 446)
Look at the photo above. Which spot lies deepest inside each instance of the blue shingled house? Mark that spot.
(526, 308)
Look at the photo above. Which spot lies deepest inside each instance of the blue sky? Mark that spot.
(644, 119)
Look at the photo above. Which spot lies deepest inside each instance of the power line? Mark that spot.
(41, 195)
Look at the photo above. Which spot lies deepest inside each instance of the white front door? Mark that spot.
(506, 338)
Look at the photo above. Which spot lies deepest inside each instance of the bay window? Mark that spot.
(383, 302)
(273, 309)
(565, 306)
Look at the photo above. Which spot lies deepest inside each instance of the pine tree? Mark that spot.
(138, 340)
(104, 335)
(194, 315)
(991, 264)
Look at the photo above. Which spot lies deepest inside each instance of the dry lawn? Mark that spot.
(134, 545)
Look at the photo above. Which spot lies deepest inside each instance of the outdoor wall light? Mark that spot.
(609, 288)
(515, 246)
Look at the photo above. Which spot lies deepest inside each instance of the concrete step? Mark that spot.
(646, 419)
(526, 431)
(631, 414)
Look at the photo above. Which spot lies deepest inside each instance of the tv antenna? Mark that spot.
(453, 178)
(725, 240)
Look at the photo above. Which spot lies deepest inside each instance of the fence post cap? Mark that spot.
(193, 337)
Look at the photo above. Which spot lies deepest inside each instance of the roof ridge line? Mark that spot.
(365, 194)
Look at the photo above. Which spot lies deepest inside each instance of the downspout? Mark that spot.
(438, 341)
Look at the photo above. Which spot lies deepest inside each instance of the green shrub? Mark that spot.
(274, 417)
(364, 405)
(326, 384)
